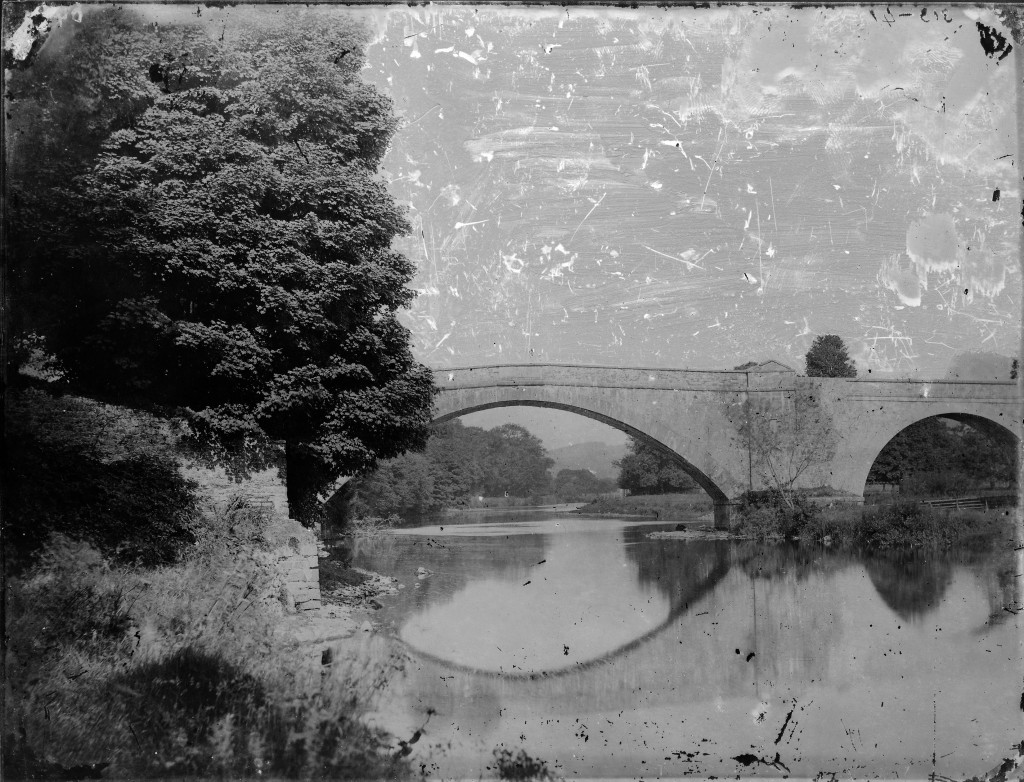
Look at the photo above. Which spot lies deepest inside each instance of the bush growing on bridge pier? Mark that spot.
(773, 514)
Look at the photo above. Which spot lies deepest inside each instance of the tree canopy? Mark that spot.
(647, 469)
(580, 485)
(227, 255)
(949, 452)
(828, 358)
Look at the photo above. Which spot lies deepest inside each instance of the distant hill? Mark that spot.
(594, 456)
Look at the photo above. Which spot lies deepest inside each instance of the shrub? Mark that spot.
(374, 525)
(901, 525)
(937, 483)
(86, 473)
(773, 514)
(519, 767)
(908, 524)
(838, 526)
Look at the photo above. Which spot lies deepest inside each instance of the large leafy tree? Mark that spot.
(828, 358)
(228, 256)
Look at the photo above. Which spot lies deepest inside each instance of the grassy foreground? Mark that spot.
(181, 670)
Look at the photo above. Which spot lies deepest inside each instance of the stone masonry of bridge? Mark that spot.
(698, 414)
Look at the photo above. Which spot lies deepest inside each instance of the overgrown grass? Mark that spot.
(181, 670)
(768, 516)
(373, 525)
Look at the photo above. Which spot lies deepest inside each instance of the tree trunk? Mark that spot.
(304, 478)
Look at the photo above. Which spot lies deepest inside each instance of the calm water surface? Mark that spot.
(611, 654)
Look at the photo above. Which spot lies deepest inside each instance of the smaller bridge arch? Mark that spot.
(992, 425)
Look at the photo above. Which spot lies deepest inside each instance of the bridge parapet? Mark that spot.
(637, 378)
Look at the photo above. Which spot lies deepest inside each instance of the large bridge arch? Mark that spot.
(706, 483)
(669, 408)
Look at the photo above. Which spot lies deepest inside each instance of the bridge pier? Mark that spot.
(723, 515)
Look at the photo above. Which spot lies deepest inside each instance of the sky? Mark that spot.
(702, 187)
(698, 187)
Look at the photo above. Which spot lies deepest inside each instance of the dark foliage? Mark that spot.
(182, 697)
(61, 476)
(225, 251)
(519, 766)
(580, 484)
(131, 509)
(647, 469)
(897, 525)
(939, 457)
(828, 358)
(772, 513)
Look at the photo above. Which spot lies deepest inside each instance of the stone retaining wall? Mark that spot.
(294, 547)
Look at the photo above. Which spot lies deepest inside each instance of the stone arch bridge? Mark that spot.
(711, 420)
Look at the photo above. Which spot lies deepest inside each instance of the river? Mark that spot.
(607, 653)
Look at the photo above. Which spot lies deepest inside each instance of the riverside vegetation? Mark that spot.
(135, 665)
(904, 524)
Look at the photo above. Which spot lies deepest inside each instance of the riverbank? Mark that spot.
(666, 507)
(195, 669)
(563, 507)
(900, 525)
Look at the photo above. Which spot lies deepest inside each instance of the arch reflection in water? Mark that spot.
(816, 636)
(579, 602)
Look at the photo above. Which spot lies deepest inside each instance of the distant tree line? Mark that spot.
(458, 462)
(461, 463)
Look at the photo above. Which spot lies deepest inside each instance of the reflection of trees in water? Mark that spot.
(1002, 586)
(684, 571)
(993, 563)
(768, 561)
(912, 582)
